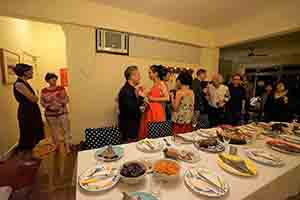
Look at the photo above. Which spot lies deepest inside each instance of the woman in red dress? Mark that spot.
(158, 94)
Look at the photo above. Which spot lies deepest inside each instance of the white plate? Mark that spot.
(186, 139)
(104, 183)
(157, 145)
(195, 157)
(197, 185)
(253, 154)
(207, 133)
(284, 151)
(291, 138)
(119, 151)
(211, 149)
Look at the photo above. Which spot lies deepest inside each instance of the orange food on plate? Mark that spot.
(287, 146)
(166, 167)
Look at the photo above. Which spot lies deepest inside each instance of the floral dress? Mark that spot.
(183, 116)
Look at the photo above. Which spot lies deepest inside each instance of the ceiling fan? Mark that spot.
(253, 54)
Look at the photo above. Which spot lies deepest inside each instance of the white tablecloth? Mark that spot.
(269, 183)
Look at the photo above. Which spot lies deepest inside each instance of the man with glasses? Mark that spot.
(236, 104)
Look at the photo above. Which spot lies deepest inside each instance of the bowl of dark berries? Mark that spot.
(133, 172)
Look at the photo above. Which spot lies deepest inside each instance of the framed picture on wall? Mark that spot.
(8, 61)
(29, 59)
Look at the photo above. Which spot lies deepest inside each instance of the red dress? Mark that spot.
(154, 112)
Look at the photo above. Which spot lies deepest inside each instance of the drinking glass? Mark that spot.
(226, 141)
(155, 187)
(248, 139)
(195, 119)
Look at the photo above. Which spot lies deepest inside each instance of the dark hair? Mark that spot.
(129, 70)
(204, 84)
(160, 70)
(185, 78)
(21, 68)
(237, 74)
(50, 76)
(200, 71)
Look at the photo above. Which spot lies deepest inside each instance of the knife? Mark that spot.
(210, 182)
(183, 138)
(265, 157)
(238, 165)
(149, 144)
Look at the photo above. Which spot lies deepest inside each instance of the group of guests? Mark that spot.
(193, 100)
(54, 100)
(139, 106)
(275, 103)
(217, 102)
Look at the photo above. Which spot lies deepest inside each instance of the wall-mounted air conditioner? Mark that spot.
(112, 42)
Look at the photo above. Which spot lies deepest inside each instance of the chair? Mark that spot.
(203, 121)
(159, 129)
(100, 137)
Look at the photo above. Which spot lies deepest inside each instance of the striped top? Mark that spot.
(54, 101)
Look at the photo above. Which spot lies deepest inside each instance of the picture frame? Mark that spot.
(8, 61)
(30, 59)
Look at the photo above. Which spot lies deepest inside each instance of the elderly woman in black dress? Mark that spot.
(29, 114)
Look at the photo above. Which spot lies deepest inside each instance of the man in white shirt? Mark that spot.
(217, 95)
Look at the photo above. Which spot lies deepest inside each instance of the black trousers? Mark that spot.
(129, 128)
(233, 118)
(216, 116)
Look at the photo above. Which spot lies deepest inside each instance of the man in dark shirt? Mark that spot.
(236, 104)
(130, 99)
(199, 95)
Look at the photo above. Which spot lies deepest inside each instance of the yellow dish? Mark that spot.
(250, 165)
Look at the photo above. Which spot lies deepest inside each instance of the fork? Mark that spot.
(210, 182)
(98, 169)
(167, 143)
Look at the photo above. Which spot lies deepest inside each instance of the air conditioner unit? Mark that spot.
(112, 42)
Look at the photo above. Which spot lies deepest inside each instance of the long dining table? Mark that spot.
(276, 183)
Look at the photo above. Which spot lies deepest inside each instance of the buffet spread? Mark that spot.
(195, 165)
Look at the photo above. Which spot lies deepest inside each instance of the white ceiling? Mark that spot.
(207, 14)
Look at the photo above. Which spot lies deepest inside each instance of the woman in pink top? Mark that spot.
(55, 99)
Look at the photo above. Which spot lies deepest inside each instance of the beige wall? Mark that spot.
(209, 59)
(43, 40)
(92, 13)
(97, 78)
(163, 50)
